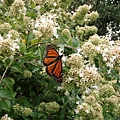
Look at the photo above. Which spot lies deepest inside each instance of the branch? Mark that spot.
(36, 44)
(6, 70)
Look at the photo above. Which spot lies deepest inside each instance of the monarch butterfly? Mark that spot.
(54, 64)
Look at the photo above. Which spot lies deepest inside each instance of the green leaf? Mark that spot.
(5, 93)
(23, 101)
(35, 69)
(4, 105)
(33, 41)
(75, 42)
(22, 48)
(9, 82)
(31, 14)
(33, 6)
(16, 69)
(30, 55)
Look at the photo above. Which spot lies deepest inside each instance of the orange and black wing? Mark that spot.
(53, 63)
(51, 55)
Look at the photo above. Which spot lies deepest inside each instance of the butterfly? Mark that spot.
(53, 63)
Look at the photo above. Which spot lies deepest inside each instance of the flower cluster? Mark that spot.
(14, 34)
(20, 110)
(49, 108)
(30, 23)
(89, 50)
(87, 30)
(5, 27)
(91, 17)
(106, 91)
(90, 109)
(8, 46)
(45, 27)
(82, 17)
(80, 13)
(5, 117)
(111, 56)
(75, 60)
(110, 52)
(88, 78)
(18, 8)
(27, 74)
(66, 34)
(97, 98)
(83, 76)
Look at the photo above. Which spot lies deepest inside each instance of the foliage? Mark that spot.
(91, 64)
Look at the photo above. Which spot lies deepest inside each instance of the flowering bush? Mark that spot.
(91, 63)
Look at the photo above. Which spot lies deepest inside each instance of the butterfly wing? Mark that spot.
(53, 63)
(51, 55)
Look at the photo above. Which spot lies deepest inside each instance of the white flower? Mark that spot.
(95, 87)
(79, 50)
(64, 58)
(9, 35)
(81, 74)
(106, 50)
(59, 88)
(76, 111)
(37, 24)
(87, 111)
(77, 102)
(111, 43)
(87, 90)
(1, 38)
(66, 93)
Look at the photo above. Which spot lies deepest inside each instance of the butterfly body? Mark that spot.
(53, 63)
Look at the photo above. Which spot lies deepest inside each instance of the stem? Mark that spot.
(6, 70)
(36, 44)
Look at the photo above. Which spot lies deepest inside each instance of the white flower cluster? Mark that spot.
(18, 8)
(45, 26)
(108, 49)
(8, 46)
